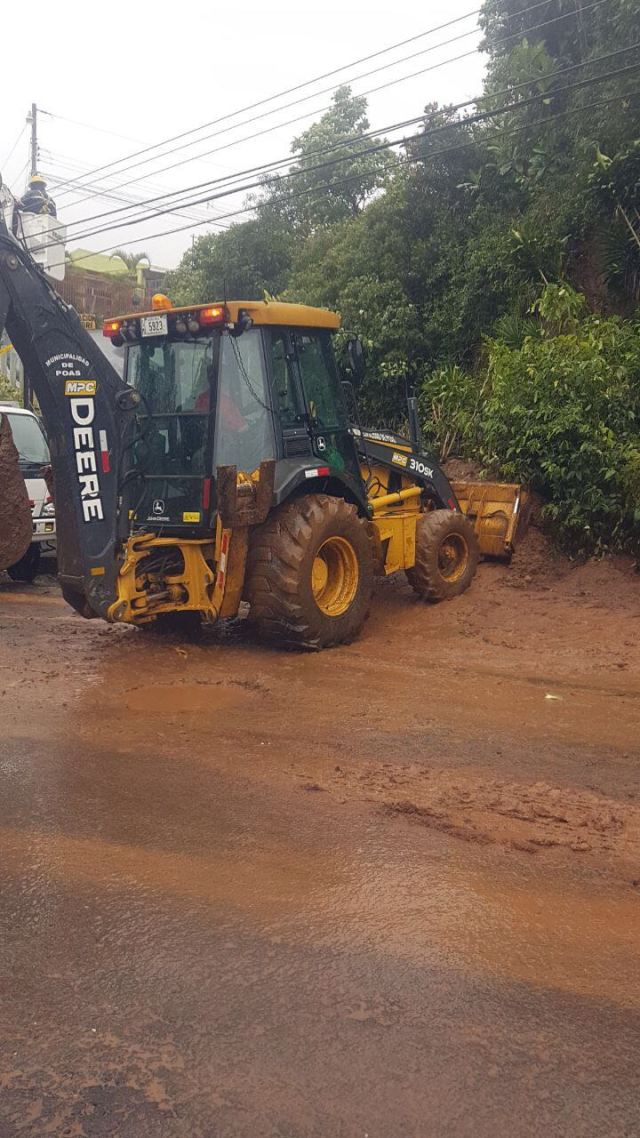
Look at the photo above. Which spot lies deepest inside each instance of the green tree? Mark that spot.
(242, 263)
(132, 260)
(333, 176)
(433, 252)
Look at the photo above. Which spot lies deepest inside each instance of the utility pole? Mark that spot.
(33, 119)
(27, 391)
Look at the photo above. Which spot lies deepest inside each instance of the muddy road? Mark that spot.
(392, 890)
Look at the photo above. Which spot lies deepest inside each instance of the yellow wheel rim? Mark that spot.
(453, 556)
(335, 576)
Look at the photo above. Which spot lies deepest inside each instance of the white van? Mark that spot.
(33, 454)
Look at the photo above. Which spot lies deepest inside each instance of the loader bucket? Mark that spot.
(500, 513)
(15, 510)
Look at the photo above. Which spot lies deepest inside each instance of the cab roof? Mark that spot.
(261, 312)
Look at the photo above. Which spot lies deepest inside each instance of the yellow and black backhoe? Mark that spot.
(224, 467)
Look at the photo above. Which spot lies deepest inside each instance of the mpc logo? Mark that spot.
(80, 386)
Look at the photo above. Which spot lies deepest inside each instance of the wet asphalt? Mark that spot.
(188, 951)
(193, 958)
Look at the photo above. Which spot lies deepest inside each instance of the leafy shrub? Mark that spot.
(450, 401)
(561, 413)
(513, 329)
(7, 388)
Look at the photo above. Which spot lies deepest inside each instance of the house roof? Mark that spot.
(98, 262)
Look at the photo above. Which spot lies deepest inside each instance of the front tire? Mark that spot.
(310, 573)
(447, 555)
(26, 569)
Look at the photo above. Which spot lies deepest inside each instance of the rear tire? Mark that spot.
(447, 556)
(310, 573)
(26, 569)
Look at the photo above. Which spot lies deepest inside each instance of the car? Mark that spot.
(33, 455)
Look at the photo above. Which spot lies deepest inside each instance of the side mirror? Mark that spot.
(355, 356)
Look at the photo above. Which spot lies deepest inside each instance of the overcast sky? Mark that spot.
(145, 72)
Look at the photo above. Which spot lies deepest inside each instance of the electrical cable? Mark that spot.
(131, 203)
(269, 167)
(499, 136)
(295, 103)
(86, 125)
(261, 182)
(13, 148)
(18, 178)
(297, 87)
(289, 122)
(64, 163)
(177, 212)
(184, 134)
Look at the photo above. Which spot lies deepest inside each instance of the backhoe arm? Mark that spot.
(89, 415)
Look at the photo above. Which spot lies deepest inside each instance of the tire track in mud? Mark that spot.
(466, 804)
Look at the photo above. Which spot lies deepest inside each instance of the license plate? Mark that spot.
(154, 325)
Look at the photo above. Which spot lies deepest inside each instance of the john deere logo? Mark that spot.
(158, 507)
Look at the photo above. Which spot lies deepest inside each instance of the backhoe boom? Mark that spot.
(89, 417)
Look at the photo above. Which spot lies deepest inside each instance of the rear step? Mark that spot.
(500, 512)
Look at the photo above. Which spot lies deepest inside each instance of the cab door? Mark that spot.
(326, 412)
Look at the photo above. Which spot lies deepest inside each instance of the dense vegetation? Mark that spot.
(493, 258)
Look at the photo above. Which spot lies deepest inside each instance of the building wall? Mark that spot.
(93, 294)
(101, 296)
(154, 281)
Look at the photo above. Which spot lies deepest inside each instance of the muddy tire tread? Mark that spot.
(424, 577)
(279, 607)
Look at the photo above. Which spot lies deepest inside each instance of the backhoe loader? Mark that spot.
(224, 467)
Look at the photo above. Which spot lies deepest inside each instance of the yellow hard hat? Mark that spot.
(36, 179)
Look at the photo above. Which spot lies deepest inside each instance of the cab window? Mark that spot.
(286, 391)
(322, 388)
(244, 420)
(172, 376)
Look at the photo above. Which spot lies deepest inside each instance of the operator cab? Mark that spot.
(231, 384)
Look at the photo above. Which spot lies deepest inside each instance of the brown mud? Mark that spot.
(511, 716)
(414, 862)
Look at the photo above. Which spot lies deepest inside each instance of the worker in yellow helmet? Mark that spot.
(36, 199)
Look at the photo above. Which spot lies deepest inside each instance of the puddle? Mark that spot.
(465, 912)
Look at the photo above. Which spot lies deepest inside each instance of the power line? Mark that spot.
(13, 148)
(381, 87)
(66, 163)
(404, 161)
(469, 120)
(319, 110)
(297, 87)
(23, 170)
(296, 102)
(106, 192)
(86, 170)
(133, 202)
(87, 126)
(351, 139)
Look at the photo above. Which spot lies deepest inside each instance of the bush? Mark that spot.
(561, 413)
(450, 402)
(7, 389)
